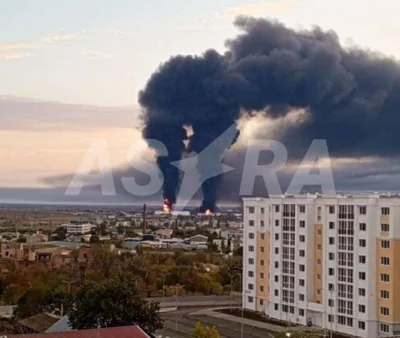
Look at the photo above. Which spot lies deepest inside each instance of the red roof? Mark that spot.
(111, 332)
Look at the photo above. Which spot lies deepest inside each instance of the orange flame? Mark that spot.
(167, 207)
(208, 212)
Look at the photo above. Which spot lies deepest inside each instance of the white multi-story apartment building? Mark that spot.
(79, 229)
(328, 260)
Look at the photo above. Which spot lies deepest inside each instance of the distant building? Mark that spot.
(164, 233)
(198, 240)
(12, 250)
(35, 238)
(79, 229)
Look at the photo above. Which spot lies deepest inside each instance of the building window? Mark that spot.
(261, 275)
(319, 247)
(251, 274)
(363, 210)
(331, 240)
(302, 238)
(331, 209)
(319, 232)
(250, 299)
(276, 292)
(301, 312)
(276, 307)
(385, 328)
(318, 276)
(331, 256)
(251, 261)
(262, 210)
(361, 292)
(385, 278)
(385, 211)
(302, 253)
(361, 275)
(363, 227)
(276, 278)
(362, 259)
(385, 261)
(385, 227)
(330, 319)
(262, 223)
(277, 222)
(262, 236)
(363, 243)
(261, 288)
(302, 224)
(277, 251)
(251, 235)
(318, 292)
(302, 209)
(361, 308)
(385, 244)
(276, 208)
(250, 286)
(262, 249)
(262, 262)
(276, 265)
(301, 282)
(331, 303)
(251, 248)
(331, 271)
(277, 237)
(384, 294)
(251, 210)
(302, 267)
(384, 311)
(361, 325)
(318, 261)
(301, 297)
(330, 287)
(251, 223)
(331, 225)
(261, 301)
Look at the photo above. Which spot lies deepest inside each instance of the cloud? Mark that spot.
(62, 38)
(91, 54)
(270, 7)
(117, 31)
(23, 49)
(13, 55)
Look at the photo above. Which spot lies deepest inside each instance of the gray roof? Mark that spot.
(61, 326)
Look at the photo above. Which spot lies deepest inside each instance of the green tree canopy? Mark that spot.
(113, 302)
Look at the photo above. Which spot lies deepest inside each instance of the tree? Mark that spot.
(203, 331)
(94, 239)
(113, 302)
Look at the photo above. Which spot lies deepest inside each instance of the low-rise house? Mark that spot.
(110, 332)
(12, 250)
(164, 233)
(38, 323)
(36, 238)
(198, 239)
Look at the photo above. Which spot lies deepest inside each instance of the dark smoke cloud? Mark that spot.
(350, 95)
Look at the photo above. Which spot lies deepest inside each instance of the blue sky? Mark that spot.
(101, 52)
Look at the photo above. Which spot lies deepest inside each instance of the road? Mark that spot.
(179, 324)
(198, 301)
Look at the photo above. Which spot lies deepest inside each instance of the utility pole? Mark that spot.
(144, 219)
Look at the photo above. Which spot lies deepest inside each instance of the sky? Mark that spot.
(70, 71)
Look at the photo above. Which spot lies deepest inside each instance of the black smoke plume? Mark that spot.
(350, 96)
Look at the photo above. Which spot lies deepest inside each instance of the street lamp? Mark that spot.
(69, 284)
(288, 334)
